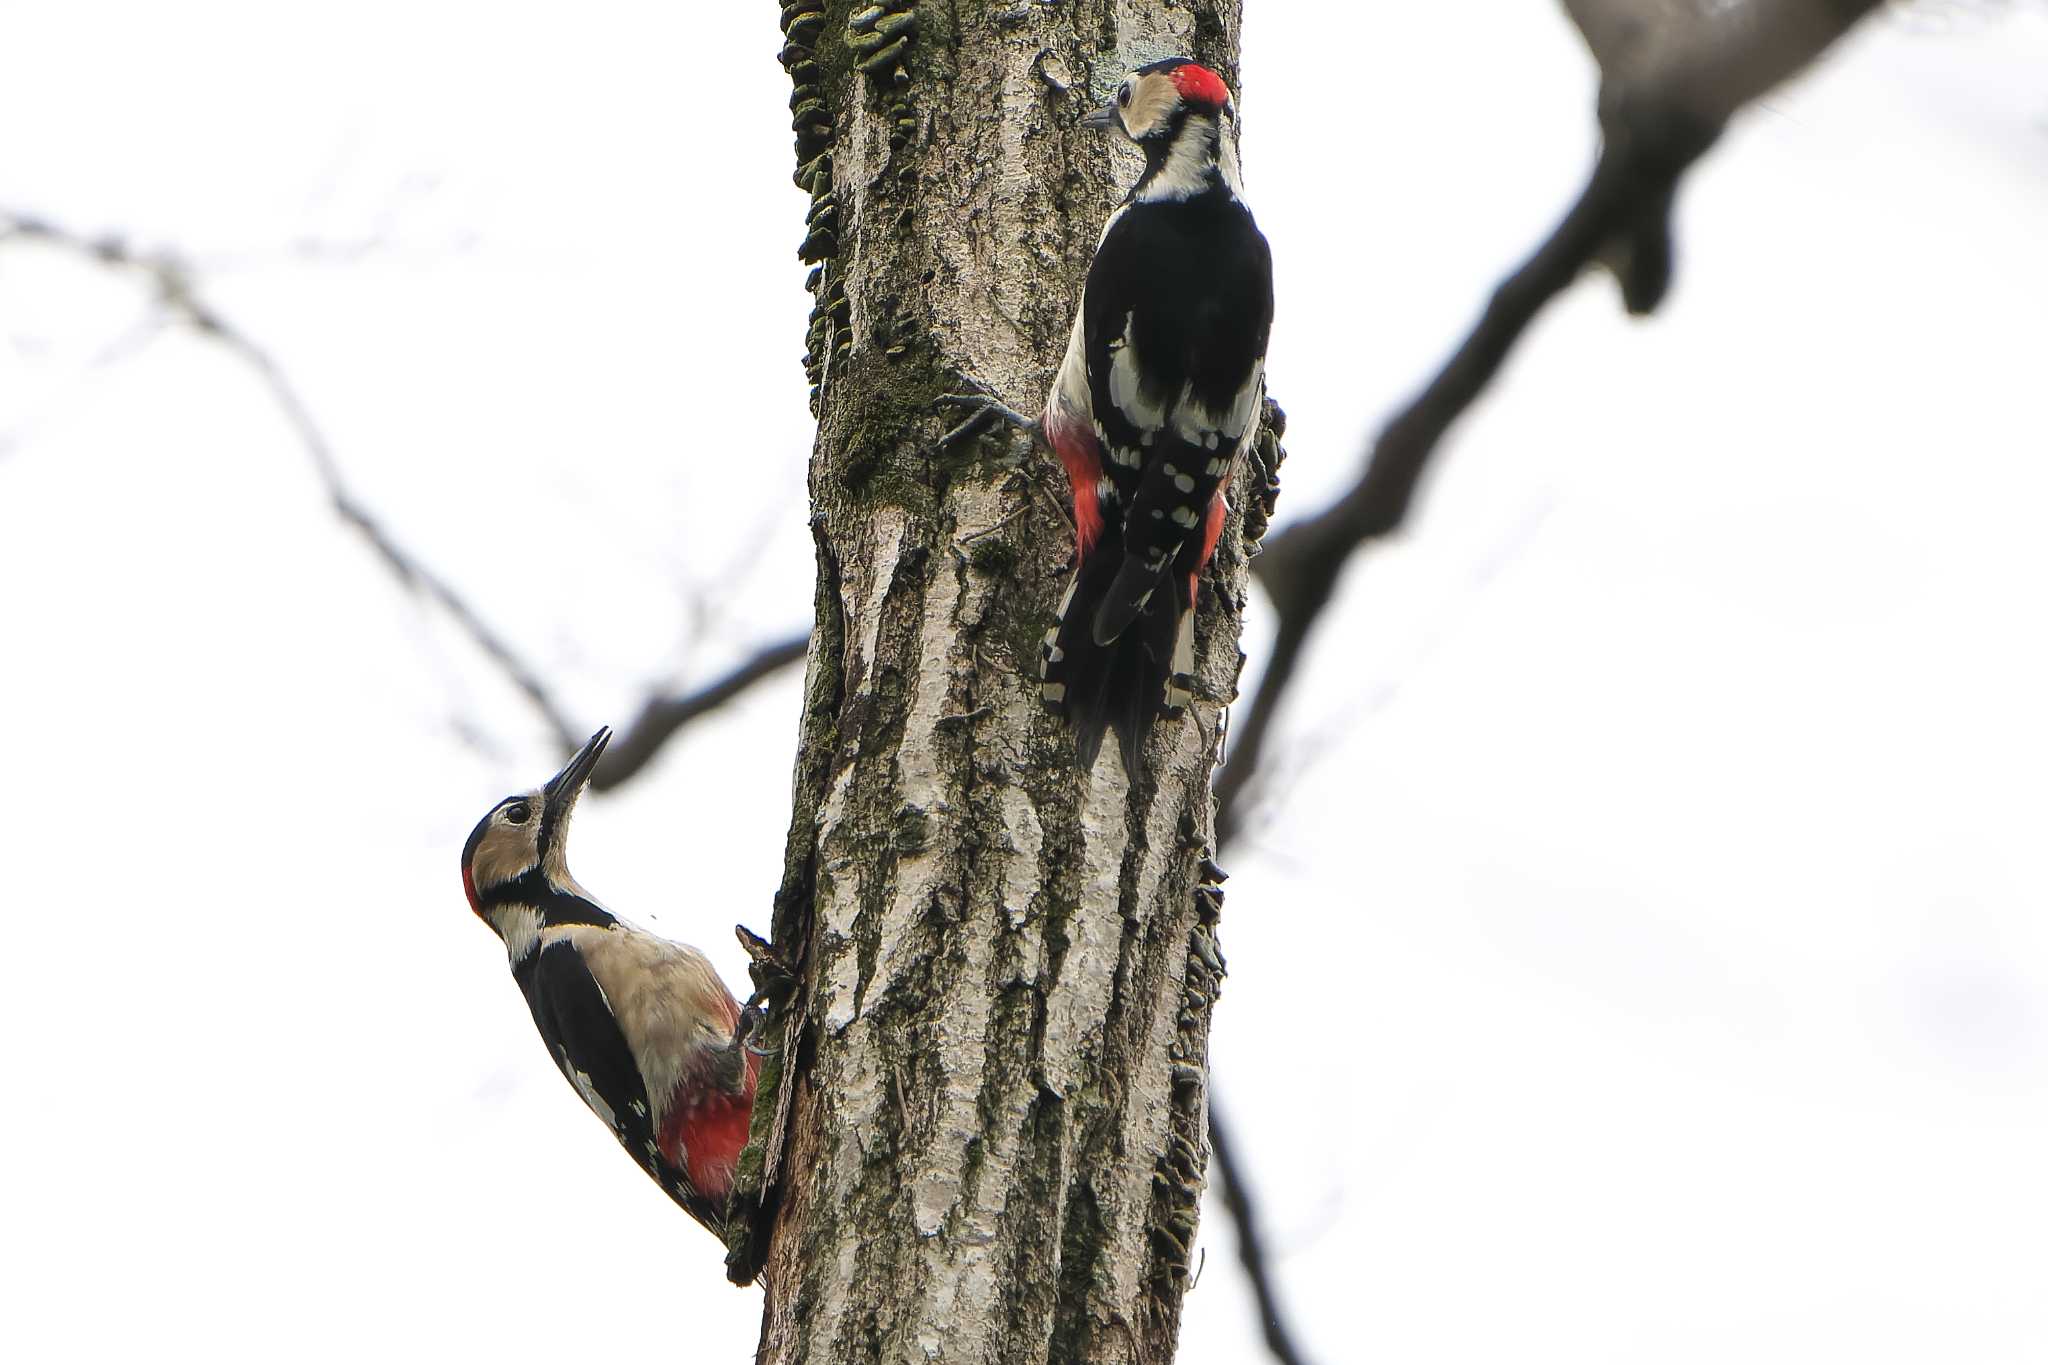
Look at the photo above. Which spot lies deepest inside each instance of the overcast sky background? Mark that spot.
(1642, 959)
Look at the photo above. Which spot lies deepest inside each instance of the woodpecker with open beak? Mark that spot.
(642, 1028)
(1155, 404)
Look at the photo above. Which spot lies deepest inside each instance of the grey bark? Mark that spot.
(980, 1134)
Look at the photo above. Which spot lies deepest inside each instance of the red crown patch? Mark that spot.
(1200, 85)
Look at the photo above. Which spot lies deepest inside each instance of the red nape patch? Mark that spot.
(469, 890)
(1200, 85)
(1079, 452)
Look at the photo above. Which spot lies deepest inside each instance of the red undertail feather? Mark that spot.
(1212, 531)
(1079, 452)
(704, 1138)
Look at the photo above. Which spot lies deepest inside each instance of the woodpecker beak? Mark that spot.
(1105, 117)
(564, 787)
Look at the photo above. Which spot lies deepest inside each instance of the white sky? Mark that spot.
(1645, 957)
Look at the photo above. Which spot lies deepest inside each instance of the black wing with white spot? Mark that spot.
(1176, 314)
(576, 1022)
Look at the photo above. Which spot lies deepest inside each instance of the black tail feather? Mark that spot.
(1128, 594)
(1121, 685)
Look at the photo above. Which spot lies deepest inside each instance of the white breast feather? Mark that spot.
(664, 996)
(518, 926)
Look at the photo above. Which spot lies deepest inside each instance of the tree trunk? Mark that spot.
(980, 1135)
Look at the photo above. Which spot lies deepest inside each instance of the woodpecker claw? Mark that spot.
(984, 409)
(747, 1032)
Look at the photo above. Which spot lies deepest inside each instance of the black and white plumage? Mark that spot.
(1156, 401)
(641, 1028)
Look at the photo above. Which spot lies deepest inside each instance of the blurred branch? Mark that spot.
(1239, 1203)
(1672, 73)
(661, 717)
(176, 295)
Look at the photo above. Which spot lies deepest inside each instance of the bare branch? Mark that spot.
(1668, 88)
(171, 279)
(176, 295)
(661, 717)
(1666, 94)
(1239, 1203)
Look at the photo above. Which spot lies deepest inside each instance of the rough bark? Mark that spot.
(980, 1136)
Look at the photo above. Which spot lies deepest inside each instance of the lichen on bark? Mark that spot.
(984, 1136)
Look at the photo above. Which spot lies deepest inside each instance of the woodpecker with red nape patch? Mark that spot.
(1155, 404)
(1156, 401)
(642, 1028)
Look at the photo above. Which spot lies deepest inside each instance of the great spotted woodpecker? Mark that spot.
(1155, 403)
(641, 1027)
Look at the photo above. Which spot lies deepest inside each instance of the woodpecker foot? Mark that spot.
(983, 408)
(747, 1033)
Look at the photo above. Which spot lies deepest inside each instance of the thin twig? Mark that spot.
(176, 294)
(661, 717)
(1242, 1207)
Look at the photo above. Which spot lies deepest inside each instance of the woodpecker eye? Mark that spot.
(518, 813)
(1123, 96)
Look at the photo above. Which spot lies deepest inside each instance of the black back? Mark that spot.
(1196, 277)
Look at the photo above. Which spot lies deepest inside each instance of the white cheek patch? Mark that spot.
(507, 851)
(1153, 99)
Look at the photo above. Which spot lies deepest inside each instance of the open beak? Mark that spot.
(1105, 117)
(564, 787)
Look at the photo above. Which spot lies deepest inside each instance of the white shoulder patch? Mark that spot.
(589, 1092)
(1199, 426)
(1126, 383)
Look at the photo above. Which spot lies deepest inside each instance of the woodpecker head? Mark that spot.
(520, 851)
(1155, 102)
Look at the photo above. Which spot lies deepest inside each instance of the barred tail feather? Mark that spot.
(1124, 684)
(1128, 595)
